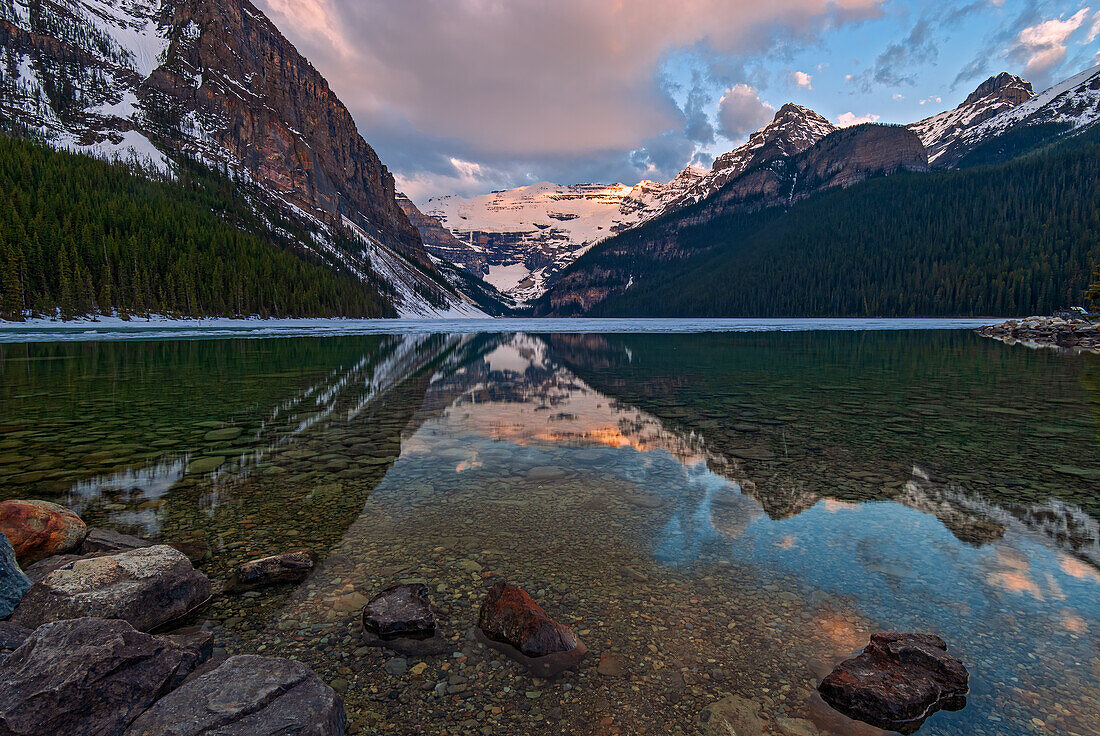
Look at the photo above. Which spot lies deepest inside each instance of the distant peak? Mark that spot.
(1005, 86)
(792, 110)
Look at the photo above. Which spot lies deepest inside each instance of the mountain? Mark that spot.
(773, 179)
(644, 270)
(151, 82)
(942, 132)
(1064, 110)
(1009, 239)
(793, 130)
(517, 239)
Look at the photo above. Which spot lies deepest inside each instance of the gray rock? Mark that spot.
(146, 587)
(13, 583)
(87, 677)
(400, 611)
(11, 637)
(110, 541)
(247, 696)
(290, 567)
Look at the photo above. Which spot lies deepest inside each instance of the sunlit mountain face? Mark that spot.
(686, 501)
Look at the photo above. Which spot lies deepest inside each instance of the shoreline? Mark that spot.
(162, 328)
(1075, 336)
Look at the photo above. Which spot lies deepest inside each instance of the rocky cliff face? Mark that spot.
(793, 130)
(150, 81)
(941, 132)
(842, 158)
(252, 101)
(441, 242)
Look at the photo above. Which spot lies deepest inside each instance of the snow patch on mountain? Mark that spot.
(526, 235)
(997, 94)
(1074, 102)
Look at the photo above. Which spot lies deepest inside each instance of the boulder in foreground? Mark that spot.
(897, 682)
(13, 583)
(247, 696)
(147, 587)
(290, 567)
(40, 529)
(511, 622)
(87, 676)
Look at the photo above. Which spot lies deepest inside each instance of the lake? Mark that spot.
(726, 510)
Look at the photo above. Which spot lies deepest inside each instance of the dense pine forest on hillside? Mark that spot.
(1013, 239)
(90, 237)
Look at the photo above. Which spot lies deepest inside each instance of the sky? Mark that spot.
(469, 96)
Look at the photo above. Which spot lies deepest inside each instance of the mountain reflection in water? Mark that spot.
(787, 493)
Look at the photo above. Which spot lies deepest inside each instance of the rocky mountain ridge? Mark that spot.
(842, 158)
(148, 81)
(758, 173)
(992, 97)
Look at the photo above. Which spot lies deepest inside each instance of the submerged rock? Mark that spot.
(732, 715)
(146, 587)
(290, 567)
(247, 696)
(511, 622)
(13, 583)
(897, 682)
(87, 676)
(107, 540)
(40, 529)
(400, 610)
(401, 618)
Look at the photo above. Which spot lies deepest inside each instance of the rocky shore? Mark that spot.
(104, 636)
(1077, 335)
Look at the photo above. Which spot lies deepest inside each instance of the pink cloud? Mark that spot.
(1043, 45)
(527, 76)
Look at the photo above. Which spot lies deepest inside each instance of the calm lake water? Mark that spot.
(728, 514)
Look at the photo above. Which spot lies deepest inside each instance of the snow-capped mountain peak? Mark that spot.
(941, 132)
(1074, 103)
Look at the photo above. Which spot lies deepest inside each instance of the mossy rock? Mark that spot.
(206, 464)
(223, 435)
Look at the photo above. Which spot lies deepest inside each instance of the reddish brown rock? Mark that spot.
(511, 622)
(40, 529)
(897, 682)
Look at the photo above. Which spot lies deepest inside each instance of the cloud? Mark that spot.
(801, 80)
(534, 79)
(741, 111)
(899, 63)
(1094, 29)
(1043, 46)
(848, 119)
